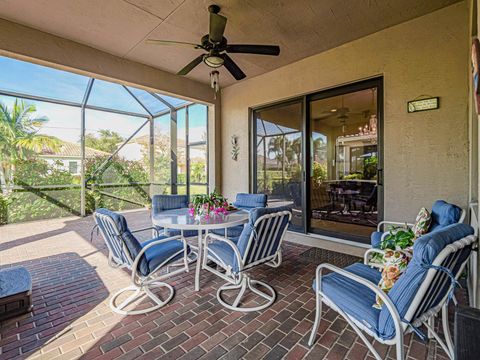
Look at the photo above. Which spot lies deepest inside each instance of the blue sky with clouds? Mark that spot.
(64, 121)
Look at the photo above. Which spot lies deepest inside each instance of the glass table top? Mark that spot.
(181, 219)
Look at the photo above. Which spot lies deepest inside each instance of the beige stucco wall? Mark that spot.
(426, 153)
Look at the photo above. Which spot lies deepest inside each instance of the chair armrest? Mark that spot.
(143, 229)
(145, 248)
(229, 242)
(386, 222)
(368, 254)
(373, 287)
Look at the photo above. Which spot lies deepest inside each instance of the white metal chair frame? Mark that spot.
(241, 280)
(381, 224)
(432, 282)
(381, 227)
(141, 285)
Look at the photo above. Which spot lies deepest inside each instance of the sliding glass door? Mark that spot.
(278, 157)
(321, 155)
(344, 162)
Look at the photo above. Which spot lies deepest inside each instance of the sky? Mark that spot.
(64, 121)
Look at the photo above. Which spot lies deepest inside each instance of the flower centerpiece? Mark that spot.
(205, 206)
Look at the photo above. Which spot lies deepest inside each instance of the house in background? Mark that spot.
(69, 156)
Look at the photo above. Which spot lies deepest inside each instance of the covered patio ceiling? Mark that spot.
(120, 27)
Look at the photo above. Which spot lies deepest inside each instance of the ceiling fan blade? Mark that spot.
(190, 66)
(233, 68)
(173, 43)
(254, 49)
(217, 27)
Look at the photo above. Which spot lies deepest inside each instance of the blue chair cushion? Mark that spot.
(233, 232)
(425, 250)
(172, 232)
(163, 253)
(376, 239)
(224, 253)
(255, 214)
(250, 201)
(444, 214)
(352, 297)
(168, 202)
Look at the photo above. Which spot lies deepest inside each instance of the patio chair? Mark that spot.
(443, 214)
(246, 202)
(259, 243)
(145, 260)
(419, 294)
(162, 203)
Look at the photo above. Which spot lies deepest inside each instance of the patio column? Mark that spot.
(82, 148)
(173, 151)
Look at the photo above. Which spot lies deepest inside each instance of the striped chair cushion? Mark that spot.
(250, 201)
(170, 202)
(351, 297)
(425, 250)
(444, 214)
(262, 249)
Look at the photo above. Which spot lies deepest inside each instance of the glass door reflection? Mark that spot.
(279, 168)
(343, 199)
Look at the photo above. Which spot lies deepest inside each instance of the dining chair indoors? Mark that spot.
(259, 243)
(144, 260)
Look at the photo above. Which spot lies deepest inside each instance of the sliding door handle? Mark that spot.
(380, 177)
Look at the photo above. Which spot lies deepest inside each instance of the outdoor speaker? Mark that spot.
(467, 333)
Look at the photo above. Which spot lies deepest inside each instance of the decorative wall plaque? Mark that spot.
(423, 104)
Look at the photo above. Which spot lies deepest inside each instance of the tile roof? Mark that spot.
(69, 149)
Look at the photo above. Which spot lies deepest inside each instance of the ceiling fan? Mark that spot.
(217, 48)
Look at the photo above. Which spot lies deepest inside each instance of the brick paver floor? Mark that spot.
(71, 317)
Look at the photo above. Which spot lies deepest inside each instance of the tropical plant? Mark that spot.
(398, 238)
(370, 167)
(19, 139)
(275, 146)
(106, 140)
(198, 172)
(319, 172)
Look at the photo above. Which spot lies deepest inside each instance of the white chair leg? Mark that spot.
(399, 349)
(240, 294)
(140, 292)
(245, 284)
(446, 330)
(431, 323)
(318, 317)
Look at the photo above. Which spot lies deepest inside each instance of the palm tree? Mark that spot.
(19, 139)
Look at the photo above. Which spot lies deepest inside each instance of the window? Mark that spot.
(72, 167)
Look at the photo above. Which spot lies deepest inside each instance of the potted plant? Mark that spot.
(205, 206)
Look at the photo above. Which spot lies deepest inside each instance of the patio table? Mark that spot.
(180, 219)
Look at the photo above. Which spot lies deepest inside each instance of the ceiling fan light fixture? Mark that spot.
(213, 61)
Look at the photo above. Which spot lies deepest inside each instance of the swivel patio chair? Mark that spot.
(416, 298)
(246, 202)
(145, 260)
(162, 203)
(443, 214)
(259, 243)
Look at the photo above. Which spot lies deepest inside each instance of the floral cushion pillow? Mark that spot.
(422, 222)
(399, 250)
(395, 262)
